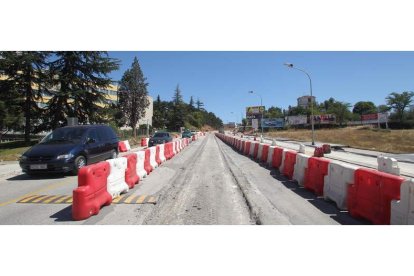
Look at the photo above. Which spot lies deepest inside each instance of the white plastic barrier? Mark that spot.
(162, 153)
(282, 165)
(153, 152)
(141, 164)
(336, 183)
(127, 145)
(116, 179)
(402, 211)
(174, 149)
(259, 152)
(388, 165)
(299, 169)
(252, 145)
(270, 155)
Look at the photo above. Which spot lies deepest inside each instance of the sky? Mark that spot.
(221, 80)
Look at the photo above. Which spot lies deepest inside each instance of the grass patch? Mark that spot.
(392, 141)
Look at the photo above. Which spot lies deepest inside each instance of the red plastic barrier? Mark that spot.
(193, 138)
(147, 165)
(157, 154)
(277, 157)
(247, 148)
(242, 146)
(371, 194)
(91, 193)
(315, 173)
(265, 152)
(256, 150)
(318, 152)
(144, 142)
(326, 148)
(289, 164)
(122, 147)
(131, 176)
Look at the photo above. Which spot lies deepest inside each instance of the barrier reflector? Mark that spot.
(162, 153)
(388, 165)
(277, 157)
(131, 176)
(144, 142)
(371, 194)
(141, 172)
(122, 146)
(270, 155)
(265, 152)
(402, 211)
(289, 163)
(315, 174)
(147, 162)
(337, 181)
(247, 147)
(92, 192)
(157, 155)
(300, 167)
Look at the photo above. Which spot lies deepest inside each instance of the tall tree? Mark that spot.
(399, 102)
(199, 104)
(191, 102)
(26, 75)
(159, 114)
(273, 112)
(178, 97)
(363, 108)
(79, 78)
(341, 111)
(133, 95)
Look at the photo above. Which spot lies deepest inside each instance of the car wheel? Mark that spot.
(80, 162)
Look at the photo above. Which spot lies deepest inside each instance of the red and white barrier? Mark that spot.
(300, 168)
(141, 164)
(388, 165)
(153, 162)
(402, 211)
(123, 146)
(162, 153)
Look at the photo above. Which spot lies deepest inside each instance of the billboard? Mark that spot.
(374, 118)
(254, 110)
(324, 119)
(273, 122)
(297, 120)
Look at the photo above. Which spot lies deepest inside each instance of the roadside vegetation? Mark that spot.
(391, 141)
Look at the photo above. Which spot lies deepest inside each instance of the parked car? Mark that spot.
(160, 138)
(67, 149)
(186, 134)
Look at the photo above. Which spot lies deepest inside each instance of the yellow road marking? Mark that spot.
(141, 199)
(128, 200)
(39, 199)
(62, 199)
(69, 200)
(50, 199)
(117, 199)
(28, 198)
(14, 200)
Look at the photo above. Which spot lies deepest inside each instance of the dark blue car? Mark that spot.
(67, 149)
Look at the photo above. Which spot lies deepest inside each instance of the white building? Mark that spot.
(305, 101)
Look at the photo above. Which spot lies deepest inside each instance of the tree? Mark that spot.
(273, 112)
(341, 111)
(363, 108)
(383, 108)
(177, 98)
(191, 103)
(399, 102)
(199, 104)
(133, 95)
(26, 76)
(78, 78)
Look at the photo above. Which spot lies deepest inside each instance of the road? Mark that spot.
(207, 183)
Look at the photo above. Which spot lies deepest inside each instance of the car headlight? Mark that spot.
(65, 156)
(23, 158)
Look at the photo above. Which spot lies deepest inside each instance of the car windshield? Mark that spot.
(160, 135)
(73, 135)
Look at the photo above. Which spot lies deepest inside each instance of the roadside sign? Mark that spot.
(255, 123)
(297, 120)
(254, 110)
(273, 122)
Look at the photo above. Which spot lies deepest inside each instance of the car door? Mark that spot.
(93, 146)
(105, 143)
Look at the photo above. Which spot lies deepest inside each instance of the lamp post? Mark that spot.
(261, 104)
(235, 124)
(290, 65)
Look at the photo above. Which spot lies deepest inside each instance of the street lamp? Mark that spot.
(261, 104)
(290, 65)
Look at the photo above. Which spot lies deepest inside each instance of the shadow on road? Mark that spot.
(34, 177)
(63, 215)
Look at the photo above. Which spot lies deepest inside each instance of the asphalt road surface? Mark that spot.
(206, 183)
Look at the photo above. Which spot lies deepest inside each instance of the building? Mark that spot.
(305, 101)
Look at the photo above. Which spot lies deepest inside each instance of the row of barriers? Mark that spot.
(99, 183)
(381, 196)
